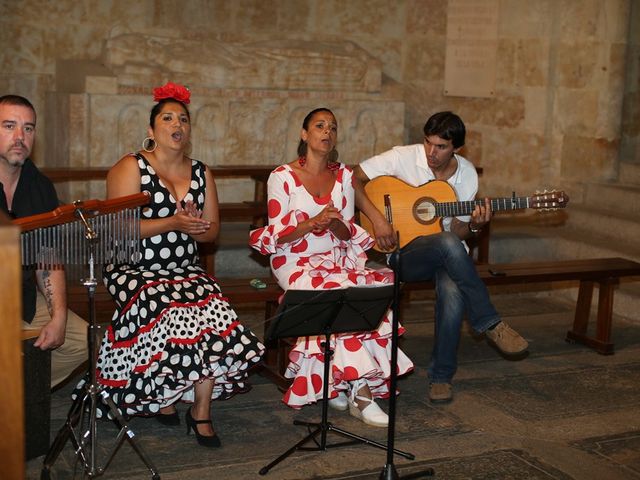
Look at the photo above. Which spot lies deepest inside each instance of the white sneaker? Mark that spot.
(340, 402)
(370, 414)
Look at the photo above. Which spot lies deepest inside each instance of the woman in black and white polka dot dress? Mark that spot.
(174, 336)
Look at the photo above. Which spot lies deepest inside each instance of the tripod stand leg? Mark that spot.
(63, 435)
(85, 442)
(368, 441)
(310, 436)
(126, 434)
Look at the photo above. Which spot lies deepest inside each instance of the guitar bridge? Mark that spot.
(387, 208)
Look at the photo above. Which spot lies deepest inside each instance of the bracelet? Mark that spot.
(473, 229)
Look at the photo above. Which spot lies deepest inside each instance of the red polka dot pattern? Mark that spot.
(350, 373)
(299, 386)
(294, 276)
(321, 261)
(352, 344)
(300, 247)
(286, 219)
(254, 236)
(287, 231)
(316, 381)
(274, 208)
(279, 261)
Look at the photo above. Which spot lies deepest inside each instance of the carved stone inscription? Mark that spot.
(472, 43)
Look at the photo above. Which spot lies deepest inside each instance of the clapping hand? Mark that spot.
(325, 218)
(189, 219)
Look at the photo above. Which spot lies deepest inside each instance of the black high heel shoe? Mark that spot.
(205, 441)
(168, 419)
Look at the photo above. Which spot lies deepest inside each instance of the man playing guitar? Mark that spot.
(443, 256)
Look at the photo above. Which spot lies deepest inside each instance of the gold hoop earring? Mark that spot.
(146, 147)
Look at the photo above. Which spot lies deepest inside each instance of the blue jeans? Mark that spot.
(442, 257)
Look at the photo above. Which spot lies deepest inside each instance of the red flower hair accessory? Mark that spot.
(172, 90)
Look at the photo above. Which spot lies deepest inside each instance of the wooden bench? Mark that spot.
(238, 291)
(254, 210)
(603, 272)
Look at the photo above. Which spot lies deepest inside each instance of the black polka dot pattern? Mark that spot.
(172, 326)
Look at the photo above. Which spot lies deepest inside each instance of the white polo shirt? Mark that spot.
(409, 164)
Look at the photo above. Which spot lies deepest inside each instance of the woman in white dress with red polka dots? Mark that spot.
(314, 243)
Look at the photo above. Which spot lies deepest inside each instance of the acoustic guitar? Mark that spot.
(418, 211)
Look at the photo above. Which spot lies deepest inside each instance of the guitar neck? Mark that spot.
(457, 209)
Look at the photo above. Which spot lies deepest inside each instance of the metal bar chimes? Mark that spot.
(58, 238)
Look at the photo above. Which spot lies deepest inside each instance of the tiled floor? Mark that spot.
(563, 412)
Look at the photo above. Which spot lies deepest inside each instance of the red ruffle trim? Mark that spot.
(148, 327)
(143, 367)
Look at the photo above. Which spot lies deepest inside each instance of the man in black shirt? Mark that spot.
(24, 191)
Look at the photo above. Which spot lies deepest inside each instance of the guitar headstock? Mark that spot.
(549, 200)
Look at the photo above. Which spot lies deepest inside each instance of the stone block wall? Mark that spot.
(630, 147)
(566, 72)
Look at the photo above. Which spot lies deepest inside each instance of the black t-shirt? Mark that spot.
(34, 194)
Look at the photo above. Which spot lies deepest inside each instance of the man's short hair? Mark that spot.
(446, 125)
(16, 100)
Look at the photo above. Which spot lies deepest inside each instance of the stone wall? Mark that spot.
(630, 148)
(563, 75)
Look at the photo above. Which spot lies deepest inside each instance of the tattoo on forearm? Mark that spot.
(48, 290)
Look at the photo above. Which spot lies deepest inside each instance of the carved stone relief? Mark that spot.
(248, 101)
(274, 64)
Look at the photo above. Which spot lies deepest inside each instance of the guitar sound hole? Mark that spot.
(424, 210)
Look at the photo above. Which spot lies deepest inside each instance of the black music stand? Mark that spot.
(313, 312)
(81, 431)
(389, 471)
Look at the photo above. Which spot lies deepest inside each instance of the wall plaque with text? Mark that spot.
(471, 48)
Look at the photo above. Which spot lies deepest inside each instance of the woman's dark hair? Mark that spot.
(302, 146)
(158, 106)
(446, 125)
